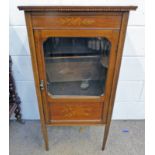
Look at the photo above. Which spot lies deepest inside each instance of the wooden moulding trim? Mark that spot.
(76, 123)
(78, 8)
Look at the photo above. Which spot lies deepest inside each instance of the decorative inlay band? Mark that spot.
(76, 21)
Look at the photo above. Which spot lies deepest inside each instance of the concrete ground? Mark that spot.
(125, 138)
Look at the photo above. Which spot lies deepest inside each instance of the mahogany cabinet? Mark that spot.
(76, 55)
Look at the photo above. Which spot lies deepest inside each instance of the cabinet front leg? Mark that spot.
(106, 132)
(45, 135)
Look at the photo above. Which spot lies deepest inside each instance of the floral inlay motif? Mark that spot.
(71, 111)
(76, 21)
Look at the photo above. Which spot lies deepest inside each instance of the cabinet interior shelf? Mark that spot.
(104, 60)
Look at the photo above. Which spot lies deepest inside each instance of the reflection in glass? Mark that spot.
(76, 66)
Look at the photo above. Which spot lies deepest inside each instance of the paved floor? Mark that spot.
(125, 138)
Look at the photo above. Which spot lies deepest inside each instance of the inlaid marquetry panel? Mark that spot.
(76, 21)
(76, 111)
(99, 21)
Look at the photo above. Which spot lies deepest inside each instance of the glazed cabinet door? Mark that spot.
(76, 70)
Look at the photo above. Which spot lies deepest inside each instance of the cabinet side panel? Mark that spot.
(34, 61)
(116, 75)
(36, 76)
(118, 64)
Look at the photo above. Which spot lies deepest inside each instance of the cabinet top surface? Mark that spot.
(77, 8)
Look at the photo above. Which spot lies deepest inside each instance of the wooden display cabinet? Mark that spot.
(76, 55)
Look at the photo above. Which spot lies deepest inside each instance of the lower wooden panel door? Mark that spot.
(75, 111)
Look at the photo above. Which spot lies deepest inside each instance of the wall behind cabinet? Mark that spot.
(130, 92)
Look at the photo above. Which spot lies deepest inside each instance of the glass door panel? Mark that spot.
(76, 65)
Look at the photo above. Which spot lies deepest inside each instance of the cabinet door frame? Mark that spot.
(41, 35)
